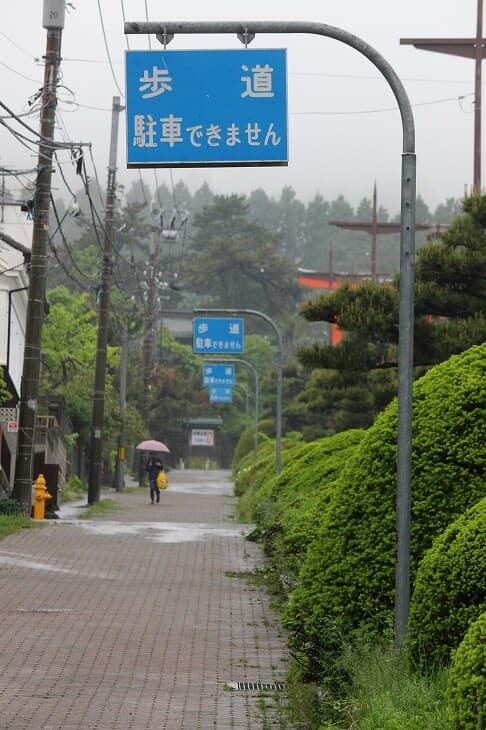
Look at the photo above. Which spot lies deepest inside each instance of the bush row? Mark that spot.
(328, 521)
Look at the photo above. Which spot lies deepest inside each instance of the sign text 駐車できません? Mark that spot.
(213, 335)
(190, 108)
(218, 374)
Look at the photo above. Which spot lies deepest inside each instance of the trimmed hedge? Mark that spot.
(466, 685)
(347, 579)
(289, 508)
(246, 445)
(450, 589)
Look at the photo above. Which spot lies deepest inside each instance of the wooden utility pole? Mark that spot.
(53, 21)
(121, 456)
(467, 48)
(374, 228)
(95, 462)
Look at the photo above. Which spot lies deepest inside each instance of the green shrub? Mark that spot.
(9, 506)
(466, 686)
(347, 579)
(450, 589)
(244, 446)
(298, 499)
(74, 488)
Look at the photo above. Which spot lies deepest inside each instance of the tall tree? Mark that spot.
(235, 262)
(450, 304)
(450, 314)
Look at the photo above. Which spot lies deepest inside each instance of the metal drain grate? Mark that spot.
(256, 686)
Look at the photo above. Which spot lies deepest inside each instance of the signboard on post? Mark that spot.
(202, 437)
(218, 375)
(217, 335)
(206, 108)
(220, 395)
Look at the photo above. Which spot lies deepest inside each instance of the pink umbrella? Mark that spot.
(151, 445)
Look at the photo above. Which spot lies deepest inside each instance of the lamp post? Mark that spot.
(257, 397)
(245, 31)
(279, 364)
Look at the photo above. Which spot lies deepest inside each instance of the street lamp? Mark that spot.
(279, 364)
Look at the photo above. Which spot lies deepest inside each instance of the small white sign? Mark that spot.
(202, 437)
(12, 426)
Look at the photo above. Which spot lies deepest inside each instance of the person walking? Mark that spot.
(153, 467)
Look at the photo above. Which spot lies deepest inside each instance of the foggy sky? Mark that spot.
(344, 125)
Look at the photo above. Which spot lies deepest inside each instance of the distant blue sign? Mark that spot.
(207, 107)
(221, 374)
(220, 395)
(217, 335)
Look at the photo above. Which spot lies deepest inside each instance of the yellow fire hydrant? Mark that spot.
(41, 496)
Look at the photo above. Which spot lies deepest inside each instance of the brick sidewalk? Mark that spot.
(137, 620)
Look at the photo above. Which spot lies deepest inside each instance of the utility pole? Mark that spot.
(53, 21)
(121, 456)
(374, 228)
(467, 48)
(148, 342)
(94, 479)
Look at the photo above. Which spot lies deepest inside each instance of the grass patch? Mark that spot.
(384, 693)
(13, 523)
(103, 507)
(248, 574)
(389, 694)
(74, 489)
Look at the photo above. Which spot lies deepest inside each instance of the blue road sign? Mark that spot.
(207, 107)
(220, 395)
(217, 335)
(220, 374)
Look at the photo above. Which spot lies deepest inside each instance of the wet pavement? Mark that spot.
(145, 618)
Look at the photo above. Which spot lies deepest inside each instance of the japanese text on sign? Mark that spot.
(220, 395)
(206, 107)
(202, 437)
(218, 375)
(216, 335)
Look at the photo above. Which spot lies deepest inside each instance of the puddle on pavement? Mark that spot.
(166, 532)
(25, 561)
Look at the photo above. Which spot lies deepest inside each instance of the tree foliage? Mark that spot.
(235, 262)
(450, 304)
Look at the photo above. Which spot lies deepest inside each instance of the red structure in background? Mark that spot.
(329, 281)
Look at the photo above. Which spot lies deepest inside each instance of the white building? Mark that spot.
(15, 245)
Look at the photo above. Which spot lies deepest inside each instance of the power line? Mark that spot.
(108, 50)
(378, 111)
(48, 142)
(63, 238)
(13, 70)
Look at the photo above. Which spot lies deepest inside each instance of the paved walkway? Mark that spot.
(141, 619)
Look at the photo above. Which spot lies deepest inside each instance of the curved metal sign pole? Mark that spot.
(231, 359)
(246, 30)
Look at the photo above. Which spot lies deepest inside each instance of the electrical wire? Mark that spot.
(96, 220)
(108, 50)
(23, 76)
(54, 250)
(378, 111)
(63, 238)
(48, 142)
(98, 186)
(146, 18)
(12, 268)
